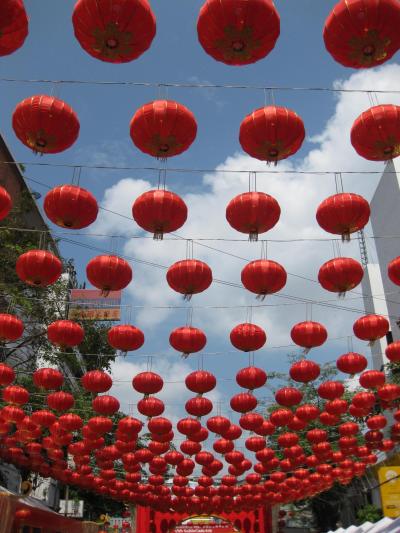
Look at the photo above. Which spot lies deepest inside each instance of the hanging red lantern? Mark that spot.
(48, 378)
(109, 273)
(394, 271)
(309, 334)
(393, 351)
(371, 327)
(281, 417)
(188, 426)
(288, 396)
(7, 374)
(364, 400)
(11, 327)
(243, 402)
(159, 425)
(163, 128)
(304, 371)
(151, 406)
(224, 446)
(10, 413)
(200, 381)
(307, 412)
(13, 26)
(363, 34)
(199, 406)
(147, 383)
(39, 268)
(376, 422)
(343, 214)
(372, 379)
(96, 381)
(15, 395)
(238, 33)
(316, 435)
(272, 133)
(389, 392)
(187, 340)
(340, 275)
(218, 424)
(45, 124)
(263, 277)
(105, 405)
(329, 390)
(65, 333)
(351, 363)
(70, 206)
(5, 203)
(43, 418)
(159, 212)
(125, 338)
(375, 134)
(253, 213)
(251, 378)
(60, 401)
(116, 33)
(248, 337)
(100, 425)
(189, 277)
(71, 422)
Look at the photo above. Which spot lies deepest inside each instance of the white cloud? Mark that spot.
(298, 196)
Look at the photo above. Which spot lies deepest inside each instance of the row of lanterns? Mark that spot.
(161, 211)
(280, 475)
(247, 337)
(165, 128)
(234, 32)
(41, 268)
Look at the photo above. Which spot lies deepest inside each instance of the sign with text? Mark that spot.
(389, 478)
(90, 304)
(218, 528)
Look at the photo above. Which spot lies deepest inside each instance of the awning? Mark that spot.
(385, 525)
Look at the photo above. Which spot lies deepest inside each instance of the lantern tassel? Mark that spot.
(346, 237)
(261, 297)
(187, 297)
(158, 236)
(185, 355)
(253, 236)
(306, 351)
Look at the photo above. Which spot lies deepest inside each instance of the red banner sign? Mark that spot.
(223, 528)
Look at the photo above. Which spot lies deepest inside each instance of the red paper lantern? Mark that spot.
(393, 351)
(375, 134)
(340, 275)
(43, 418)
(316, 435)
(376, 422)
(7, 374)
(45, 124)
(307, 412)
(109, 273)
(60, 401)
(10, 413)
(189, 277)
(159, 212)
(159, 425)
(199, 406)
(48, 378)
(253, 213)
(15, 395)
(188, 426)
(351, 363)
(389, 392)
(304, 371)
(394, 271)
(251, 378)
(39, 268)
(200, 381)
(125, 338)
(116, 33)
(11, 327)
(65, 333)
(187, 340)
(363, 34)
(71, 422)
(5, 203)
(13, 26)
(163, 128)
(363, 400)
(288, 396)
(263, 277)
(96, 381)
(343, 214)
(243, 402)
(218, 424)
(272, 133)
(147, 383)
(372, 379)
(100, 424)
(70, 206)
(309, 334)
(151, 406)
(105, 405)
(281, 417)
(329, 390)
(371, 327)
(248, 337)
(238, 33)
(224, 446)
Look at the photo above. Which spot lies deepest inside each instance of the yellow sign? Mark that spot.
(389, 478)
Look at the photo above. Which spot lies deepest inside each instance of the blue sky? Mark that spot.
(298, 60)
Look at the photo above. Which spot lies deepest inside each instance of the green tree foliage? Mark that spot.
(369, 513)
